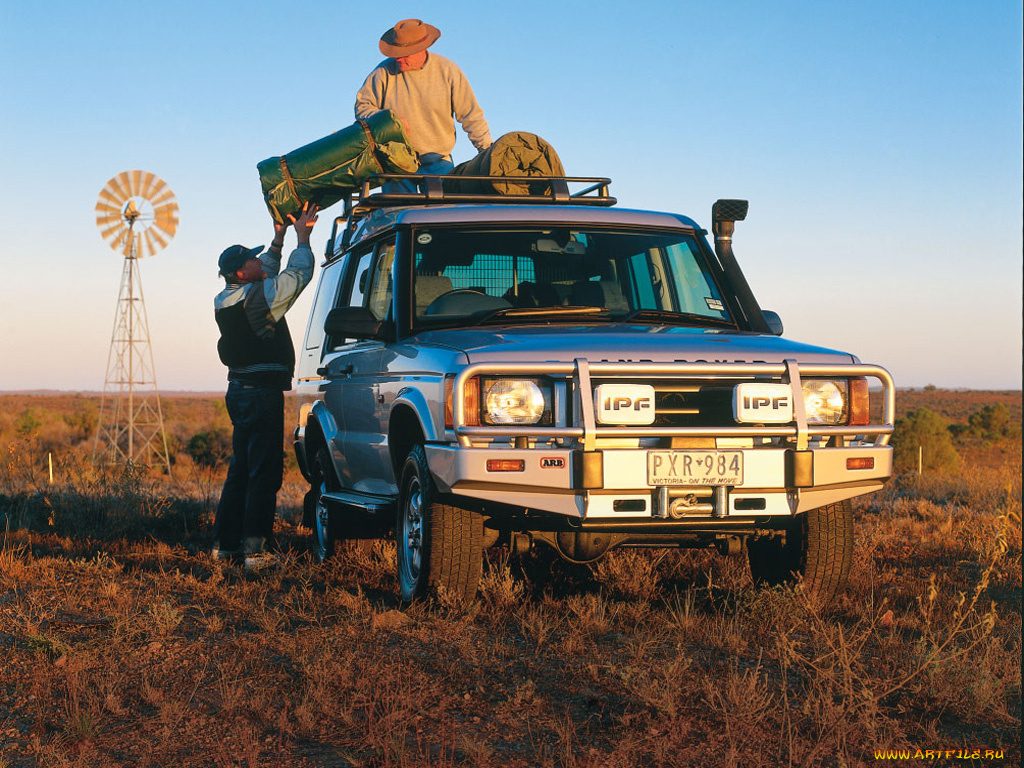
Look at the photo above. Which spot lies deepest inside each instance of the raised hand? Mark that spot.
(304, 223)
(279, 230)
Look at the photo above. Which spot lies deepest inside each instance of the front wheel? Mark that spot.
(323, 523)
(439, 546)
(818, 548)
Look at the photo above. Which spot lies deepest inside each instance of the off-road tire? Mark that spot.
(440, 546)
(324, 524)
(818, 548)
(332, 532)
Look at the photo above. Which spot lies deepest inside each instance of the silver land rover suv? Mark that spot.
(484, 369)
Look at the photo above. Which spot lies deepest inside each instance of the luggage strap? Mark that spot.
(288, 177)
(369, 136)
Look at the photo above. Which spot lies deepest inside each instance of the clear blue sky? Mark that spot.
(879, 144)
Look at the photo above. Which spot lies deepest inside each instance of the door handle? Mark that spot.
(343, 371)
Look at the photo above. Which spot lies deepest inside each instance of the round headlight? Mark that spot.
(824, 402)
(513, 401)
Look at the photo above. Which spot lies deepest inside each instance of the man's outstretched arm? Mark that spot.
(282, 290)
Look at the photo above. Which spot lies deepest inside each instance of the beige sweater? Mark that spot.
(428, 98)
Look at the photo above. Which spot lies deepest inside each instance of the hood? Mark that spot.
(625, 342)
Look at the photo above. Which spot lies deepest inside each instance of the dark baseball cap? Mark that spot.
(234, 257)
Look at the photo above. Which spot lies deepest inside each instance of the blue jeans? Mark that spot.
(431, 163)
(245, 514)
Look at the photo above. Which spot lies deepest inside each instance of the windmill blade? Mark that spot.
(102, 218)
(117, 189)
(107, 227)
(166, 223)
(107, 205)
(149, 185)
(150, 248)
(155, 233)
(118, 242)
(108, 232)
(166, 228)
(136, 183)
(163, 197)
(158, 186)
(107, 195)
(167, 219)
(125, 180)
(107, 212)
(167, 210)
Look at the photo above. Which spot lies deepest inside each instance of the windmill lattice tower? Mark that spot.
(137, 215)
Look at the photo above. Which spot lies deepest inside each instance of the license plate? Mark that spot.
(695, 467)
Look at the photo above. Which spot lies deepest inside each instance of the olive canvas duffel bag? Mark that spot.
(515, 154)
(326, 170)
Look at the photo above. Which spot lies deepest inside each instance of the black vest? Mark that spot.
(266, 358)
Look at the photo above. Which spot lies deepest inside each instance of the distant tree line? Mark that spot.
(932, 438)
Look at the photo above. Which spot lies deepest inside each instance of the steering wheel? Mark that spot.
(464, 301)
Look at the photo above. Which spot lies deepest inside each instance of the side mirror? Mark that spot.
(353, 323)
(773, 320)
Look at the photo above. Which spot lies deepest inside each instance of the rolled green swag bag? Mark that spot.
(326, 170)
(515, 154)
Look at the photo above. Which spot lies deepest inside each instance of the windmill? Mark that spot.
(137, 215)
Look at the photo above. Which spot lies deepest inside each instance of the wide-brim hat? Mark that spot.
(407, 37)
(234, 257)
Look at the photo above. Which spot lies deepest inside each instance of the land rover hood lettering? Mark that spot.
(624, 343)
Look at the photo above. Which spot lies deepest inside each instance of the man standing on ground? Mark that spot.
(425, 91)
(257, 348)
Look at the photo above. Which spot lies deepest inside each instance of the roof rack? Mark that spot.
(444, 189)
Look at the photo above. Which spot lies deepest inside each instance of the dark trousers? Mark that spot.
(245, 514)
(430, 163)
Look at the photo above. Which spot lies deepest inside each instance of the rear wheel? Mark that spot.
(818, 548)
(334, 530)
(439, 546)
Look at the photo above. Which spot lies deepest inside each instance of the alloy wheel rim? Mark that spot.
(323, 523)
(412, 533)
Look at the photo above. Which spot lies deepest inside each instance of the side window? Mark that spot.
(379, 300)
(326, 294)
(352, 292)
(360, 281)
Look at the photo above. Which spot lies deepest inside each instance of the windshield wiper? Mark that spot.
(539, 313)
(687, 318)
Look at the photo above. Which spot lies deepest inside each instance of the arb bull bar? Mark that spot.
(794, 466)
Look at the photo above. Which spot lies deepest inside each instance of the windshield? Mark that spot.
(465, 275)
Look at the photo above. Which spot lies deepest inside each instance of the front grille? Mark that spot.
(693, 405)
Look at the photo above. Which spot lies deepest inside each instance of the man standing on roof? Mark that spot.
(257, 348)
(425, 91)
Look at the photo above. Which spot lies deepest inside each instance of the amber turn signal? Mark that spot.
(865, 462)
(470, 405)
(506, 465)
(860, 408)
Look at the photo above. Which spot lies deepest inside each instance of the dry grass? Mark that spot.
(124, 645)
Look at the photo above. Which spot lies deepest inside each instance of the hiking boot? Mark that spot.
(260, 561)
(225, 555)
